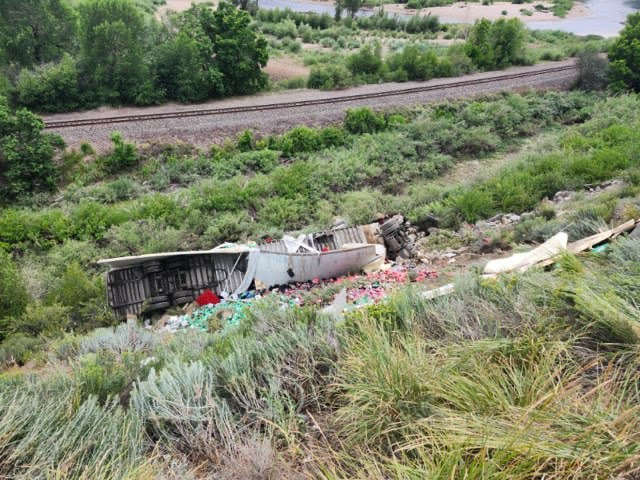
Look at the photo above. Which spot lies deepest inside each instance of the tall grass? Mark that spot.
(550, 391)
(530, 376)
(44, 435)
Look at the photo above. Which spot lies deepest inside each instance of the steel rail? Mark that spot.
(303, 103)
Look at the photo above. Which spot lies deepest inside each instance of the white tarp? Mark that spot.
(522, 261)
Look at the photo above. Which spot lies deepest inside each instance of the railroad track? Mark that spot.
(303, 103)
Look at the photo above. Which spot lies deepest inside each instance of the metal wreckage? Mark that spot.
(147, 284)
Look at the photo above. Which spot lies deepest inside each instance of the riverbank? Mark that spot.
(469, 12)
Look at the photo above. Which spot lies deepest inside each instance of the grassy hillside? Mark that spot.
(528, 376)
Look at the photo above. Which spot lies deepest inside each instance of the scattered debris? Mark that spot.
(545, 254)
(400, 237)
(337, 307)
(590, 188)
(523, 261)
(500, 220)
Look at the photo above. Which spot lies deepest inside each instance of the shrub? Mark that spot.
(14, 297)
(26, 154)
(78, 292)
(363, 120)
(332, 137)
(326, 77)
(19, 349)
(126, 337)
(123, 156)
(220, 196)
(51, 87)
(624, 56)
(594, 70)
(159, 207)
(368, 61)
(360, 207)
(92, 220)
(418, 64)
(245, 141)
(285, 213)
(39, 319)
(299, 140)
(245, 163)
(99, 374)
(496, 45)
(228, 227)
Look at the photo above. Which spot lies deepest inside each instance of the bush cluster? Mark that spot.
(109, 51)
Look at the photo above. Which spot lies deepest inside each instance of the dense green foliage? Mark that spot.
(111, 51)
(624, 56)
(26, 154)
(35, 32)
(496, 45)
(111, 38)
(488, 46)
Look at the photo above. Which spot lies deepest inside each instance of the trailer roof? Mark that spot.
(122, 262)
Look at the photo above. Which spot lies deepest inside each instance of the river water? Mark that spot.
(606, 16)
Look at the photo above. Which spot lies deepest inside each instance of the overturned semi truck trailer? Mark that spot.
(155, 282)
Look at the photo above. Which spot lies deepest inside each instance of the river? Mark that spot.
(605, 18)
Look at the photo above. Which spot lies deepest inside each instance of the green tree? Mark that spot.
(229, 45)
(35, 31)
(112, 50)
(624, 55)
(508, 41)
(185, 70)
(479, 45)
(351, 6)
(496, 45)
(26, 153)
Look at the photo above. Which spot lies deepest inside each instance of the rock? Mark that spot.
(561, 196)
(636, 232)
(495, 218)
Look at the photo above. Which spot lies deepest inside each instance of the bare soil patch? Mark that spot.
(180, 6)
(285, 68)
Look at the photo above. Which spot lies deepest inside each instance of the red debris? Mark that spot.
(208, 297)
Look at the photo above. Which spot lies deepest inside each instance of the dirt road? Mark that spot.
(206, 130)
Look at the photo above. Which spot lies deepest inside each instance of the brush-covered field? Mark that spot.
(530, 376)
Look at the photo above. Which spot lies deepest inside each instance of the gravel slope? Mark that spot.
(206, 130)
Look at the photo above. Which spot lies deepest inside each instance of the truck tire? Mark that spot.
(183, 300)
(153, 266)
(159, 299)
(390, 226)
(154, 307)
(182, 293)
(176, 264)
